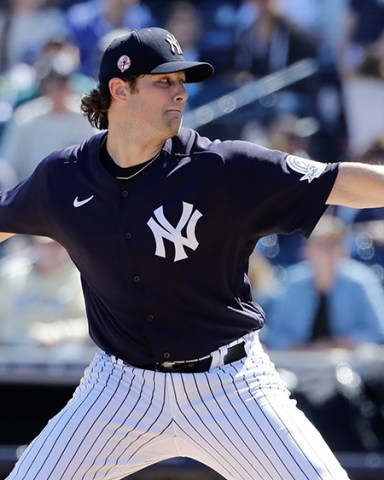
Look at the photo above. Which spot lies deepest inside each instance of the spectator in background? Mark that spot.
(360, 61)
(217, 42)
(89, 21)
(328, 300)
(61, 50)
(25, 26)
(67, 55)
(269, 43)
(51, 121)
(41, 287)
(184, 22)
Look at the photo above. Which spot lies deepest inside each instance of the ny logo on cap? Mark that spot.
(175, 46)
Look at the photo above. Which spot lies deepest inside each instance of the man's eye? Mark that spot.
(169, 81)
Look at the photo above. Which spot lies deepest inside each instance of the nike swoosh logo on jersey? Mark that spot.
(79, 203)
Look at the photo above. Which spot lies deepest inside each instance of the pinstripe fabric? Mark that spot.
(238, 419)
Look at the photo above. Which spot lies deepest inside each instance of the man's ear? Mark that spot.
(118, 89)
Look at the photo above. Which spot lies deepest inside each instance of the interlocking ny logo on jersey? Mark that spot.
(162, 229)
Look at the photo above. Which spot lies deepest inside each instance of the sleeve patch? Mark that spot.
(309, 168)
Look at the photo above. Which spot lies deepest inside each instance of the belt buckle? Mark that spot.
(167, 364)
(174, 366)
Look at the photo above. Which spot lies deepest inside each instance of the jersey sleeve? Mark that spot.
(272, 192)
(23, 207)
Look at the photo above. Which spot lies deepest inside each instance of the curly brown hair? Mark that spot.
(95, 105)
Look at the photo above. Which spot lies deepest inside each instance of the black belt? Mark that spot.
(234, 353)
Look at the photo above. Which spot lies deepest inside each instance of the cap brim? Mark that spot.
(194, 71)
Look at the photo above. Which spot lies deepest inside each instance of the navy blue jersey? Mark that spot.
(163, 256)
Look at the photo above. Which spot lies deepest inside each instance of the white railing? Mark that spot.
(250, 92)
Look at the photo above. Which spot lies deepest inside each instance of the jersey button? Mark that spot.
(167, 355)
(150, 318)
(128, 235)
(125, 193)
(137, 279)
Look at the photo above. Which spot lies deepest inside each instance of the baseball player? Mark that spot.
(160, 223)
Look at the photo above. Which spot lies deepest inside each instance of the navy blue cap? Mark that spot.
(149, 51)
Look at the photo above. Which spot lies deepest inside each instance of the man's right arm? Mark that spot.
(4, 236)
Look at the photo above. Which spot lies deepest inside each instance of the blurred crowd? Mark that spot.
(49, 55)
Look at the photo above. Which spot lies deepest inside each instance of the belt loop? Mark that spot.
(117, 360)
(251, 341)
(218, 356)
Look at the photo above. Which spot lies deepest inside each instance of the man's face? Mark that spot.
(157, 104)
(325, 252)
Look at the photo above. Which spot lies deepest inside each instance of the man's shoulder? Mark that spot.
(189, 141)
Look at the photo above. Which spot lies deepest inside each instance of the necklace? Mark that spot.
(146, 164)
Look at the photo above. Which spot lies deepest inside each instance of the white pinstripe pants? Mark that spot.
(238, 419)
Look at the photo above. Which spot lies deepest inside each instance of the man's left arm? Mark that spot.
(358, 185)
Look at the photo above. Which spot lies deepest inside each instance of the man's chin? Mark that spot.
(175, 127)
